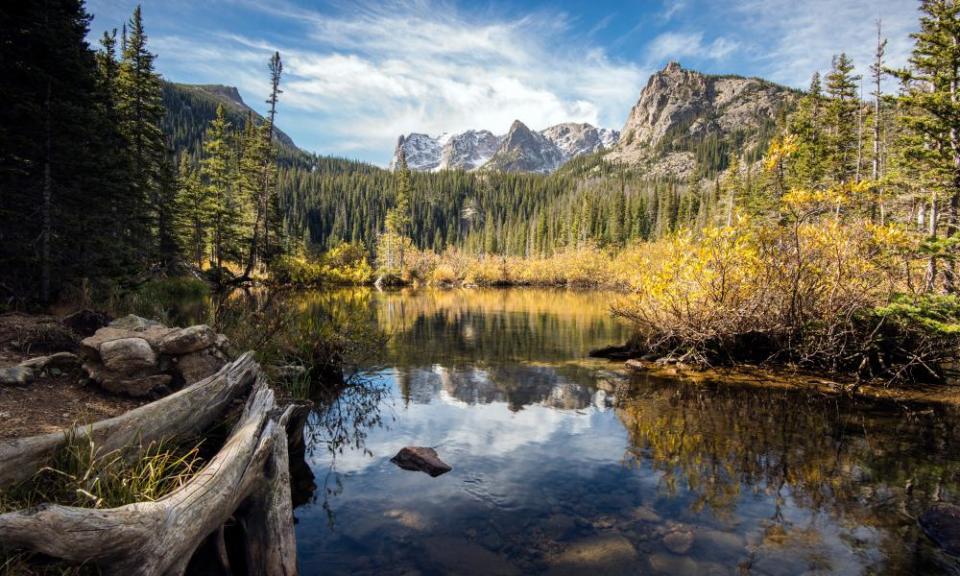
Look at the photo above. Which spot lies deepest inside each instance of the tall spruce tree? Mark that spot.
(932, 109)
(842, 114)
(141, 114)
(55, 198)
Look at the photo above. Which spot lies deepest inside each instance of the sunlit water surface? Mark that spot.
(565, 465)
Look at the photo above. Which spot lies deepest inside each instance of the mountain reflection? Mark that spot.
(517, 386)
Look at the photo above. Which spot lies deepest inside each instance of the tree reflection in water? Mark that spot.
(862, 462)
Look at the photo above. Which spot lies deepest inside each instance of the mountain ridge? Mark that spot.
(520, 149)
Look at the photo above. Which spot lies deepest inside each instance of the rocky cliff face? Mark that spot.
(524, 150)
(469, 150)
(680, 109)
(576, 139)
(422, 152)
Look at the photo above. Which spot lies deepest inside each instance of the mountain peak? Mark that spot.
(679, 107)
(672, 66)
(519, 150)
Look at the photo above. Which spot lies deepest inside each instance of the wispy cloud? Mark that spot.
(373, 72)
(789, 40)
(673, 45)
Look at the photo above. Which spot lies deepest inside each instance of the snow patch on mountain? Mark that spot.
(521, 149)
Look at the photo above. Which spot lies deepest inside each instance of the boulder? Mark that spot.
(133, 322)
(198, 365)
(90, 346)
(421, 459)
(138, 387)
(85, 322)
(941, 523)
(16, 376)
(186, 340)
(128, 355)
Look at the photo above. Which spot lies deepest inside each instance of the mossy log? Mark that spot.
(248, 480)
(184, 413)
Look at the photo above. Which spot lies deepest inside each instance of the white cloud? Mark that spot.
(676, 45)
(791, 39)
(375, 71)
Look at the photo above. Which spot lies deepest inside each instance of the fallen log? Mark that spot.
(184, 413)
(247, 478)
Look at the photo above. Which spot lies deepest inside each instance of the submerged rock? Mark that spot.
(421, 459)
(941, 523)
(678, 542)
(609, 553)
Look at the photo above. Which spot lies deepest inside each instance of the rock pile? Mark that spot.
(139, 357)
(28, 370)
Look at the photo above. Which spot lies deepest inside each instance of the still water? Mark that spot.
(566, 465)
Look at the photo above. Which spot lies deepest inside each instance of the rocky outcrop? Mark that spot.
(421, 152)
(468, 150)
(578, 139)
(524, 150)
(679, 109)
(421, 459)
(140, 357)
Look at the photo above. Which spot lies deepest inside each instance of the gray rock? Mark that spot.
(186, 340)
(16, 376)
(421, 459)
(138, 386)
(678, 103)
(128, 355)
(196, 366)
(133, 322)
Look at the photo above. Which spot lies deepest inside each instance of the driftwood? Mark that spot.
(184, 413)
(247, 477)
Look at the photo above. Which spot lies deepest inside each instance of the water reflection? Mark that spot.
(567, 466)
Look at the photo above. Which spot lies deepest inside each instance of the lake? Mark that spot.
(569, 465)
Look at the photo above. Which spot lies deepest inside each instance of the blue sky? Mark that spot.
(358, 74)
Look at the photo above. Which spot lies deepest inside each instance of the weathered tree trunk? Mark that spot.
(160, 537)
(183, 413)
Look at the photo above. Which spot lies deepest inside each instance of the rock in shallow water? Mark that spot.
(421, 459)
(941, 523)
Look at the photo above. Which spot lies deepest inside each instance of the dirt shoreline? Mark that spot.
(52, 401)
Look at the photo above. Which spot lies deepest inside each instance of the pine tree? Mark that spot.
(56, 197)
(841, 116)
(932, 104)
(195, 211)
(216, 171)
(141, 112)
